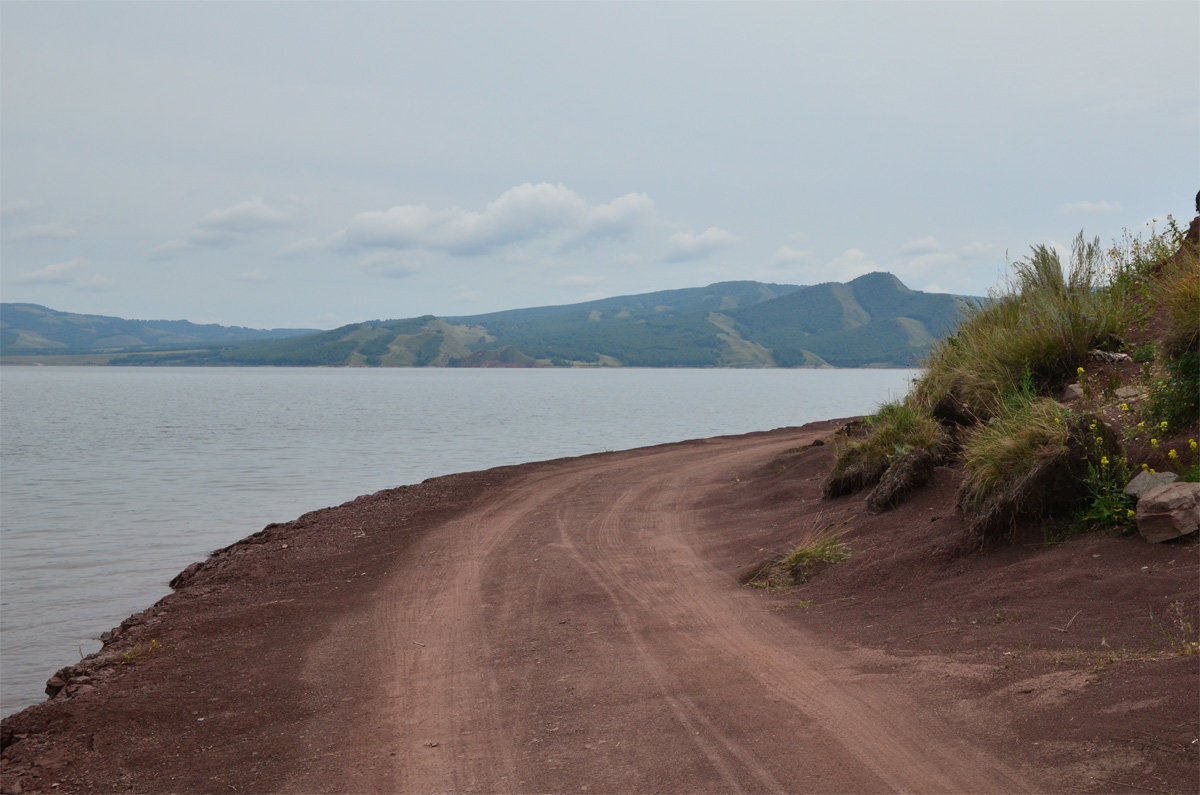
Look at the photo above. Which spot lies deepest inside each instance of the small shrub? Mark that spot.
(1107, 503)
(821, 547)
(895, 430)
(1176, 398)
(1143, 354)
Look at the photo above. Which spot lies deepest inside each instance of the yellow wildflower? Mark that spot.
(1079, 370)
(1103, 460)
(1192, 443)
(1145, 467)
(1163, 426)
(1154, 443)
(1129, 513)
(1124, 407)
(1174, 456)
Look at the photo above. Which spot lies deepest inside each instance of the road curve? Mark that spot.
(568, 634)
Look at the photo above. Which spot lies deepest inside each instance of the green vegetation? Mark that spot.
(821, 547)
(990, 392)
(894, 431)
(1042, 324)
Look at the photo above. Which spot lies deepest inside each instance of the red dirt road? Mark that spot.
(565, 626)
(569, 635)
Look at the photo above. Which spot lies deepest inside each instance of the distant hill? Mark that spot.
(872, 321)
(34, 329)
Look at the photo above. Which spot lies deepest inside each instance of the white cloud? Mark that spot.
(248, 216)
(56, 273)
(926, 245)
(1090, 207)
(523, 214)
(224, 227)
(689, 245)
(51, 231)
(791, 254)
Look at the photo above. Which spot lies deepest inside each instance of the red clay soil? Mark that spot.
(579, 625)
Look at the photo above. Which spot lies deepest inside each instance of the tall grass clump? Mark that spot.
(1043, 322)
(1013, 443)
(893, 431)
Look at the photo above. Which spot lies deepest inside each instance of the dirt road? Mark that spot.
(577, 625)
(570, 635)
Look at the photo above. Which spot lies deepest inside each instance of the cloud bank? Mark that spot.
(525, 214)
(224, 227)
(689, 245)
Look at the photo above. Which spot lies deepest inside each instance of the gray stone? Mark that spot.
(1130, 393)
(1073, 392)
(1170, 511)
(1109, 356)
(1144, 481)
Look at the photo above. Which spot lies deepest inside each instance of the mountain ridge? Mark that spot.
(873, 320)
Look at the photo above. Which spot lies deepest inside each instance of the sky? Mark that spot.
(288, 164)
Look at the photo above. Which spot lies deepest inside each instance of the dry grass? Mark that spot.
(1022, 434)
(1042, 324)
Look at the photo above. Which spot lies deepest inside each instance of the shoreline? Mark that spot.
(264, 642)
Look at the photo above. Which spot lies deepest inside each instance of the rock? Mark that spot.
(54, 684)
(1073, 392)
(1145, 481)
(1106, 356)
(1170, 511)
(181, 579)
(1130, 393)
(908, 473)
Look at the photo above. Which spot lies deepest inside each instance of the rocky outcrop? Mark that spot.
(1169, 511)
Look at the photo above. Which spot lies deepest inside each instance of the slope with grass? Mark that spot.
(1053, 392)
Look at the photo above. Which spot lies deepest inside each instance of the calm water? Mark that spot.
(114, 479)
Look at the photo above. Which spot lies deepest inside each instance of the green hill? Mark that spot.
(34, 329)
(872, 321)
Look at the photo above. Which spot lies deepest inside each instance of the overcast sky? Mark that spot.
(313, 164)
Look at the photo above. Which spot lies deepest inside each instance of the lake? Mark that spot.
(114, 479)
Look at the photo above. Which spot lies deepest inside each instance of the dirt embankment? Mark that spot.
(578, 624)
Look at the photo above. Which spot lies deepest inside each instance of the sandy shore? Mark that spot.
(579, 624)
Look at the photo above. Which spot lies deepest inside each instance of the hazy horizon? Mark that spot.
(315, 164)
